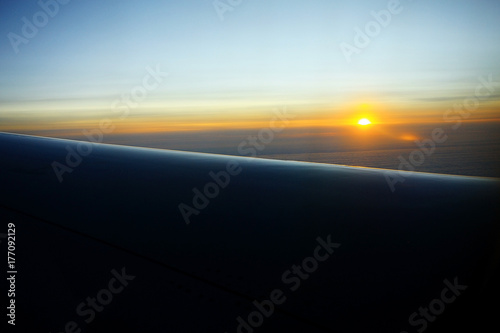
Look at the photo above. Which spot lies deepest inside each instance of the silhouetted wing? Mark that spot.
(109, 248)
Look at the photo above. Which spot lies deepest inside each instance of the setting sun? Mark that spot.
(364, 122)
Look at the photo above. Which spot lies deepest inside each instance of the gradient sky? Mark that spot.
(264, 54)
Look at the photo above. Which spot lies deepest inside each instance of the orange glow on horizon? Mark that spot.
(401, 118)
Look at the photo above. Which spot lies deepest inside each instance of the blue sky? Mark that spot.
(264, 51)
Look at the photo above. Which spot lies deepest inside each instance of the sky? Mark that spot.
(230, 63)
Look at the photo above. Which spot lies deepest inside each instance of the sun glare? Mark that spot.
(364, 122)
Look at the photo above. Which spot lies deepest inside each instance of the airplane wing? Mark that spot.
(108, 238)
